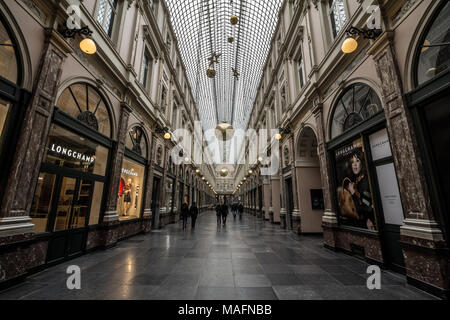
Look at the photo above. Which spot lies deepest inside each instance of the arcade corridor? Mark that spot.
(249, 259)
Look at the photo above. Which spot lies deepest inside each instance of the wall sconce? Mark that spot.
(282, 132)
(165, 131)
(350, 44)
(87, 45)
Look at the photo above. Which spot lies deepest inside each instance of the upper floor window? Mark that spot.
(107, 12)
(434, 56)
(8, 59)
(146, 68)
(169, 44)
(174, 115)
(358, 103)
(337, 15)
(301, 71)
(83, 102)
(136, 141)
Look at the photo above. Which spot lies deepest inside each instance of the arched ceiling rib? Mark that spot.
(203, 27)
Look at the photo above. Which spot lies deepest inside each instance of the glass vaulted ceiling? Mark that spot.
(203, 27)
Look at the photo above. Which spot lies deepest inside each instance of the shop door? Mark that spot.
(69, 218)
(388, 199)
(289, 203)
(156, 196)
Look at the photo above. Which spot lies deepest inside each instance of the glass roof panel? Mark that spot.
(202, 27)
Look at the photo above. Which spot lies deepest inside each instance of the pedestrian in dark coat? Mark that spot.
(224, 214)
(219, 214)
(194, 213)
(184, 214)
(241, 210)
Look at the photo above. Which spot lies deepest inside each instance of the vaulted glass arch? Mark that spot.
(202, 28)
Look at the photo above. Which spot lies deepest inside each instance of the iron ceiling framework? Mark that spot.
(202, 27)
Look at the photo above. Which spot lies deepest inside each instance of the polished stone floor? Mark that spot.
(248, 259)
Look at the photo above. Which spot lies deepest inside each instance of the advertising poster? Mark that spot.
(354, 192)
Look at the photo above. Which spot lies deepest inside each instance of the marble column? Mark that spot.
(275, 186)
(266, 197)
(147, 218)
(296, 218)
(283, 212)
(421, 235)
(15, 222)
(329, 219)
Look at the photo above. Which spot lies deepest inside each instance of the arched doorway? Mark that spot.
(309, 185)
(69, 194)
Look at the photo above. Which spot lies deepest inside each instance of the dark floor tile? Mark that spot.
(146, 279)
(289, 279)
(296, 292)
(216, 293)
(256, 294)
(350, 279)
(251, 280)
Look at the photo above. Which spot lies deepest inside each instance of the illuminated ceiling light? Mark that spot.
(87, 45)
(350, 45)
(223, 172)
(245, 178)
(278, 136)
(260, 159)
(250, 171)
(203, 178)
(197, 171)
(167, 136)
(186, 159)
(224, 131)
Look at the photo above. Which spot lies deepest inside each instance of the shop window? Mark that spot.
(5, 107)
(169, 193)
(131, 189)
(42, 201)
(135, 141)
(107, 12)
(69, 150)
(357, 104)
(8, 57)
(84, 103)
(337, 15)
(434, 54)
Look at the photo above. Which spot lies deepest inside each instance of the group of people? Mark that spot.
(187, 212)
(235, 208)
(222, 212)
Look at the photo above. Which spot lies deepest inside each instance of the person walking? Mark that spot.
(194, 213)
(233, 210)
(241, 210)
(184, 214)
(224, 214)
(219, 214)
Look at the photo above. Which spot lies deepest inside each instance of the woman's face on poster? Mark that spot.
(356, 165)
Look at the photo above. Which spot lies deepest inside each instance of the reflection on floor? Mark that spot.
(248, 259)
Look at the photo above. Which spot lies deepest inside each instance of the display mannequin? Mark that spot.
(127, 197)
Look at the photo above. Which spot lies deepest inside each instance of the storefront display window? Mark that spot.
(169, 193)
(4, 110)
(8, 58)
(42, 202)
(354, 191)
(434, 55)
(67, 149)
(130, 190)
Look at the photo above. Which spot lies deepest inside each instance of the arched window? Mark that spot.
(83, 102)
(136, 141)
(434, 54)
(9, 68)
(358, 103)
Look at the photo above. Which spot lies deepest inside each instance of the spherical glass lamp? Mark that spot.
(349, 45)
(167, 136)
(87, 45)
(224, 131)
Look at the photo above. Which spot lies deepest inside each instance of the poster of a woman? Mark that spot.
(354, 191)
